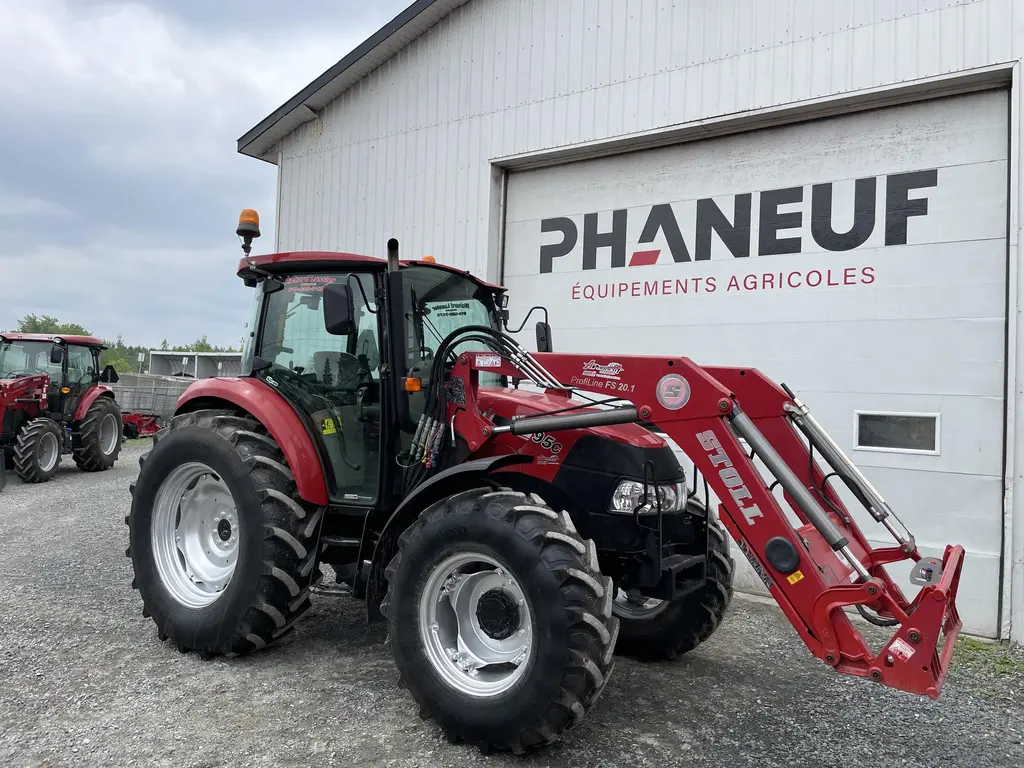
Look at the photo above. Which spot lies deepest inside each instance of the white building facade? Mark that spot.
(828, 190)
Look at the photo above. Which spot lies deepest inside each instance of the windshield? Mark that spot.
(438, 302)
(27, 358)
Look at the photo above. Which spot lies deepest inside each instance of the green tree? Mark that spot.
(202, 345)
(48, 324)
(123, 356)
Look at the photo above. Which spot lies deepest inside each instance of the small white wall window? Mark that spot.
(896, 432)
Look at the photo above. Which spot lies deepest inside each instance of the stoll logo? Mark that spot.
(673, 391)
(663, 220)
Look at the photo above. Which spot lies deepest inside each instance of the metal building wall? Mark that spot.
(406, 151)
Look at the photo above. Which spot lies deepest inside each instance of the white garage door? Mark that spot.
(859, 259)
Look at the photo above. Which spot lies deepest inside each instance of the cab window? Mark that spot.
(81, 365)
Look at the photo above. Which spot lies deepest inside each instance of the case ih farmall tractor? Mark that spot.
(513, 539)
(53, 402)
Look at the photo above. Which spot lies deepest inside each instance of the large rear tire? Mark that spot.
(96, 441)
(528, 597)
(659, 631)
(221, 544)
(38, 449)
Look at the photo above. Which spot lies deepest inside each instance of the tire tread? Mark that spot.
(591, 633)
(27, 444)
(86, 439)
(291, 529)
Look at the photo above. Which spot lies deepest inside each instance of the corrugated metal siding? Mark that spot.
(405, 152)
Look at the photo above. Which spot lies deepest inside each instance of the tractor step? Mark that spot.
(680, 575)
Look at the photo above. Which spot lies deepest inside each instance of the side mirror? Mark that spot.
(56, 354)
(339, 312)
(543, 336)
(109, 375)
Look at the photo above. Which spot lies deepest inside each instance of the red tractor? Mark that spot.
(513, 538)
(53, 402)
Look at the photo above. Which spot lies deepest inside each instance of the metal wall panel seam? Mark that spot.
(1012, 618)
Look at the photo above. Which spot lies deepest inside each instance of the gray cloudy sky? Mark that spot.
(120, 185)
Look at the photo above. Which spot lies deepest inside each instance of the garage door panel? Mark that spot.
(942, 133)
(979, 301)
(821, 215)
(938, 507)
(868, 342)
(794, 351)
(970, 430)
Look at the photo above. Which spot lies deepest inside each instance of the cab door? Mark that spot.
(81, 373)
(333, 382)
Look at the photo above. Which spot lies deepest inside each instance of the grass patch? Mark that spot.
(997, 659)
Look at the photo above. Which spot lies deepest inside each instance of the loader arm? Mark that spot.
(816, 562)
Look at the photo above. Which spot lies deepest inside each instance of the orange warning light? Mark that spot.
(248, 223)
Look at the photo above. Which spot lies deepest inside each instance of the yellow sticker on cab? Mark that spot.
(328, 427)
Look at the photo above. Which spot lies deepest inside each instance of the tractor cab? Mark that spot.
(319, 334)
(72, 364)
(49, 388)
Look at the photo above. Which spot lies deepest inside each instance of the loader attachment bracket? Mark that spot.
(928, 571)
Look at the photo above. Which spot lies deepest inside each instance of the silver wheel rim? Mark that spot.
(108, 434)
(633, 605)
(468, 657)
(192, 513)
(48, 452)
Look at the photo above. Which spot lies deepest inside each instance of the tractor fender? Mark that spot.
(452, 480)
(274, 413)
(89, 397)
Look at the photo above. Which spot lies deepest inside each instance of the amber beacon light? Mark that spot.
(248, 228)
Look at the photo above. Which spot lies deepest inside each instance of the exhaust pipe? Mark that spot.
(393, 255)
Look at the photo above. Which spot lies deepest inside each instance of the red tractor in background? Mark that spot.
(513, 539)
(53, 402)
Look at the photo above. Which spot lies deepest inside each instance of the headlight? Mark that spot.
(629, 495)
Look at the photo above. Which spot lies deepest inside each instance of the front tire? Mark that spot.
(659, 631)
(221, 544)
(97, 439)
(37, 450)
(526, 595)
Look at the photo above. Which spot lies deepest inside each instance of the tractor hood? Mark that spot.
(21, 385)
(39, 379)
(502, 405)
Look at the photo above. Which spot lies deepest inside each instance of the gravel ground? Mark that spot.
(85, 681)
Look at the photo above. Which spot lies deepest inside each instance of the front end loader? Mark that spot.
(516, 519)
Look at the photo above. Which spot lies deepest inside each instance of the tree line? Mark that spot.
(124, 357)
